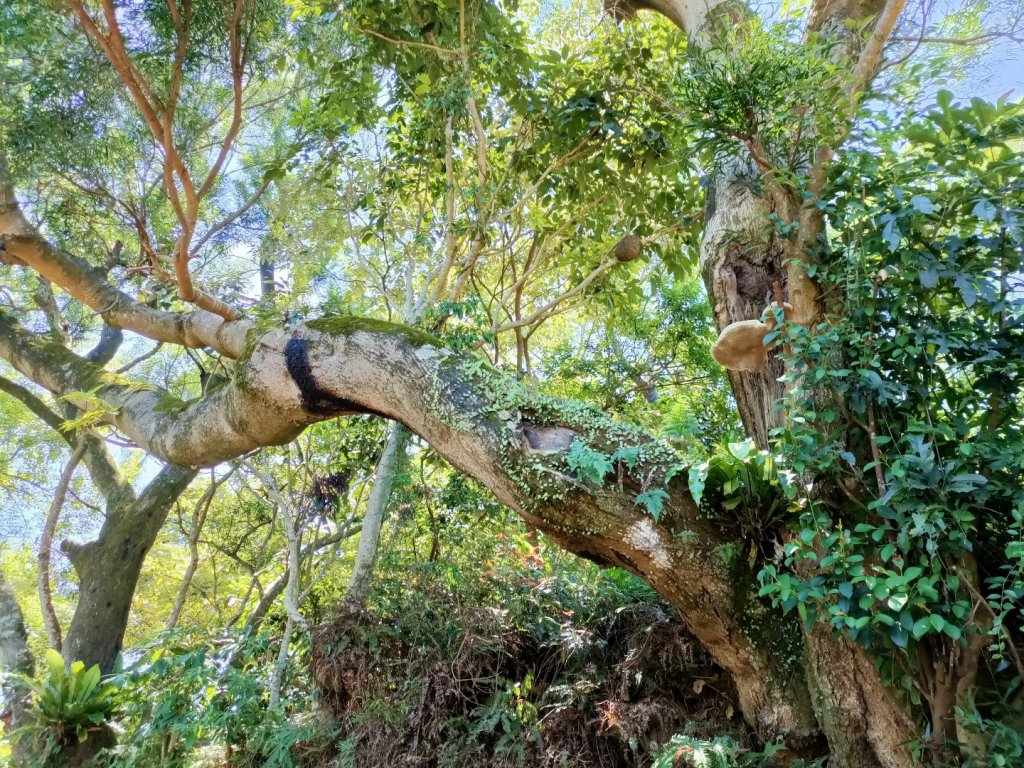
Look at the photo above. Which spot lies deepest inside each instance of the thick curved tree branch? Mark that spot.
(511, 440)
(689, 15)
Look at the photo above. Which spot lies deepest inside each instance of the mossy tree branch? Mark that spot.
(512, 440)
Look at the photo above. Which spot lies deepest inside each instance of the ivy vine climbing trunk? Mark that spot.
(749, 263)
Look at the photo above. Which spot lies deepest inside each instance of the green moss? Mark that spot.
(777, 637)
(168, 403)
(506, 402)
(687, 537)
(346, 325)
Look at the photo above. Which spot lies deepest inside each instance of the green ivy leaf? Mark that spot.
(984, 210)
(922, 204)
(921, 627)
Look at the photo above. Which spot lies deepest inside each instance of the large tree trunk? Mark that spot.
(790, 683)
(108, 570)
(744, 273)
(865, 727)
(740, 273)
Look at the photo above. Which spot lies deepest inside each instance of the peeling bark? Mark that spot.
(864, 724)
(739, 270)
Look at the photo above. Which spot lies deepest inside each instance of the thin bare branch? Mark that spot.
(50, 621)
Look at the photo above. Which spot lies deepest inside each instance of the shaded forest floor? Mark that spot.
(425, 679)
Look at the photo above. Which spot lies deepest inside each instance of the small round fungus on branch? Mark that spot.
(628, 248)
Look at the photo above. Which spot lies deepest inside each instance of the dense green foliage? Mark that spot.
(910, 397)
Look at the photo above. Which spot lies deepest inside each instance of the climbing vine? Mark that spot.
(905, 404)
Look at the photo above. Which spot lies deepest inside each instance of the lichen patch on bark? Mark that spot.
(643, 537)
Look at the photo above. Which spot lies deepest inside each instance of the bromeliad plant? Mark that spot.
(746, 483)
(69, 705)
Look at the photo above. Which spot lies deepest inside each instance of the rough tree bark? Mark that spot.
(108, 572)
(108, 569)
(15, 659)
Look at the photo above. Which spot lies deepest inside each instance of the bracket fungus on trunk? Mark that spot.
(741, 346)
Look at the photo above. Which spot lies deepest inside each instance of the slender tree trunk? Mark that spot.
(268, 280)
(50, 621)
(186, 583)
(280, 664)
(199, 513)
(369, 539)
(292, 599)
(277, 586)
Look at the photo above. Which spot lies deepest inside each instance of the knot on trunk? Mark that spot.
(548, 439)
